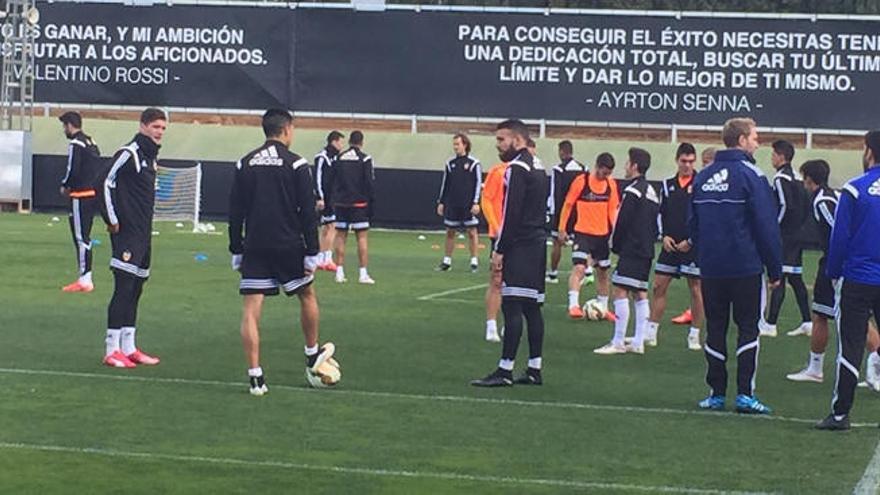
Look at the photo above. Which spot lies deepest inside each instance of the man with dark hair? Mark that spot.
(83, 167)
(563, 175)
(824, 204)
(459, 199)
(633, 241)
(273, 195)
(735, 234)
(353, 201)
(676, 258)
(323, 187)
(521, 255)
(791, 213)
(129, 196)
(593, 200)
(853, 255)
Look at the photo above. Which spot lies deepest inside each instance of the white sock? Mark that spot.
(328, 256)
(695, 332)
(643, 309)
(111, 341)
(808, 325)
(474, 261)
(447, 260)
(128, 346)
(652, 329)
(322, 258)
(621, 310)
(554, 273)
(588, 271)
(86, 278)
(491, 327)
(506, 364)
(535, 363)
(573, 297)
(258, 371)
(340, 271)
(363, 272)
(817, 360)
(603, 300)
(311, 351)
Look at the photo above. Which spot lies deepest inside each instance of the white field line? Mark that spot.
(441, 475)
(342, 392)
(452, 291)
(870, 482)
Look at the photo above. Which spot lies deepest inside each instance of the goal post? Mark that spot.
(178, 194)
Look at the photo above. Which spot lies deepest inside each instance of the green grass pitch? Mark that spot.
(403, 419)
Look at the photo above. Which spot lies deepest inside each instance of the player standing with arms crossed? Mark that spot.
(129, 197)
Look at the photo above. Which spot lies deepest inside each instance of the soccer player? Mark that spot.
(594, 198)
(853, 255)
(83, 162)
(323, 187)
(824, 204)
(353, 201)
(676, 258)
(273, 195)
(492, 204)
(734, 231)
(563, 175)
(687, 317)
(633, 241)
(520, 255)
(129, 196)
(459, 199)
(791, 208)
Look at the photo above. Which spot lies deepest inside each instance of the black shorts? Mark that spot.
(522, 275)
(824, 295)
(553, 225)
(632, 273)
(458, 217)
(131, 253)
(263, 272)
(328, 216)
(677, 264)
(792, 257)
(596, 247)
(354, 217)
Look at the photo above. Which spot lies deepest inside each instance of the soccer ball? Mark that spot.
(594, 310)
(327, 374)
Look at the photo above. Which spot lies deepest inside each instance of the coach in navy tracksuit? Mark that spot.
(853, 254)
(734, 230)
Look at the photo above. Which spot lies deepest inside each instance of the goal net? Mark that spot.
(178, 194)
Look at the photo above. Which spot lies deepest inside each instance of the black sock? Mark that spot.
(800, 294)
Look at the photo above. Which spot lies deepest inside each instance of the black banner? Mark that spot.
(788, 72)
(187, 56)
(783, 72)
